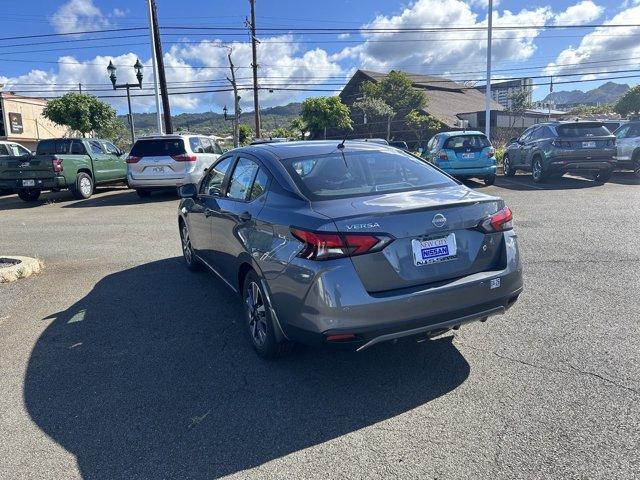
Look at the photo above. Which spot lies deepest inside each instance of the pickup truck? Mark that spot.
(77, 164)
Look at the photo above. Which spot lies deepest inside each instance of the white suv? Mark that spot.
(13, 149)
(159, 162)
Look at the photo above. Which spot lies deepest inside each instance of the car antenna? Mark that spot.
(341, 144)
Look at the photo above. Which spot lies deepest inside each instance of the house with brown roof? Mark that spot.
(445, 100)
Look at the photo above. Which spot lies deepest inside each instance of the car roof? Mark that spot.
(173, 136)
(458, 133)
(303, 148)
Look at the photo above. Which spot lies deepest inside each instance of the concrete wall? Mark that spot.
(26, 116)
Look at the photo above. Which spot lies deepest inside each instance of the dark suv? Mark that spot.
(553, 149)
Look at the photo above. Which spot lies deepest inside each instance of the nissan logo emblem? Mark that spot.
(439, 220)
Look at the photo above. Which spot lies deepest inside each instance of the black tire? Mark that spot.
(260, 327)
(537, 170)
(507, 168)
(489, 180)
(188, 254)
(143, 192)
(29, 194)
(83, 186)
(602, 176)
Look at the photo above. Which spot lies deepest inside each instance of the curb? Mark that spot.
(22, 267)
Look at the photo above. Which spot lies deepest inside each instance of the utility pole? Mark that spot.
(168, 126)
(254, 44)
(155, 68)
(487, 113)
(236, 103)
(80, 87)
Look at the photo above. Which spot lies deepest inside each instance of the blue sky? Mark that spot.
(196, 59)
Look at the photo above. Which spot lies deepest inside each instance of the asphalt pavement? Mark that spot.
(116, 362)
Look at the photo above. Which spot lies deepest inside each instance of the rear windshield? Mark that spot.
(362, 173)
(463, 142)
(583, 130)
(158, 148)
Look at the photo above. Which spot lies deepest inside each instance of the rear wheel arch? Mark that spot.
(243, 271)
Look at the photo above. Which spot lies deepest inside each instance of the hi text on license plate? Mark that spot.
(28, 183)
(435, 250)
(588, 144)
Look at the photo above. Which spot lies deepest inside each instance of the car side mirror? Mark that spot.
(188, 190)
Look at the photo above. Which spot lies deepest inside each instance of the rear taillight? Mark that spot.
(491, 152)
(498, 222)
(325, 246)
(133, 159)
(442, 155)
(57, 164)
(184, 158)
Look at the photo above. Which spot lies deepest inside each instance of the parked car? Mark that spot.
(350, 243)
(555, 148)
(15, 150)
(78, 164)
(464, 154)
(168, 161)
(402, 145)
(628, 147)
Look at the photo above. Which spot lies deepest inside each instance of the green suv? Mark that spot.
(552, 149)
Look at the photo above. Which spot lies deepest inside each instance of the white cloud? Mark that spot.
(282, 64)
(579, 14)
(610, 46)
(78, 16)
(444, 51)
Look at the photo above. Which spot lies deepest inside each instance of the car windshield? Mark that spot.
(583, 130)
(463, 142)
(158, 148)
(362, 173)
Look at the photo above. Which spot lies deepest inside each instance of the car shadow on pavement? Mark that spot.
(150, 376)
(126, 197)
(526, 183)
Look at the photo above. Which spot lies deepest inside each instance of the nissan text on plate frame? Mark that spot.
(348, 244)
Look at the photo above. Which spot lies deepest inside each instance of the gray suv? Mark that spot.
(351, 243)
(552, 149)
(628, 147)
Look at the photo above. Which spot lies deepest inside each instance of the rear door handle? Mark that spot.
(244, 217)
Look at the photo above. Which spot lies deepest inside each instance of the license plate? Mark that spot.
(468, 156)
(28, 183)
(588, 144)
(158, 169)
(435, 250)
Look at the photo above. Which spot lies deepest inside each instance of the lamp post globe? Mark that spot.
(112, 73)
(138, 67)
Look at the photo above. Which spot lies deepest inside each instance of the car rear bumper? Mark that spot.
(40, 183)
(336, 303)
(470, 172)
(578, 165)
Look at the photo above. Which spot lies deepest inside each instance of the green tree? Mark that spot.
(421, 124)
(80, 112)
(372, 108)
(519, 104)
(591, 110)
(397, 91)
(245, 134)
(320, 113)
(116, 131)
(283, 132)
(629, 103)
(298, 125)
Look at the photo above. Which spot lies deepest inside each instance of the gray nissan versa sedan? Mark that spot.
(350, 243)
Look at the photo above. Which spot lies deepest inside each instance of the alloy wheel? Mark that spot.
(506, 167)
(186, 245)
(85, 186)
(537, 169)
(257, 313)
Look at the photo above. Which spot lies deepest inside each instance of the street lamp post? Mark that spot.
(112, 75)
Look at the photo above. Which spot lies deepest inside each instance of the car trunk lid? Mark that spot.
(410, 217)
(159, 159)
(27, 167)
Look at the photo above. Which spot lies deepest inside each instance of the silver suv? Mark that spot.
(628, 147)
(168, 161)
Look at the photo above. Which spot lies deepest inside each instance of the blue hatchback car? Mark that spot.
(464, 154)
